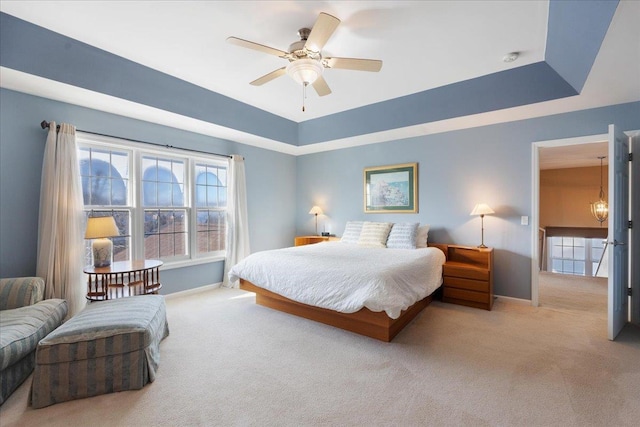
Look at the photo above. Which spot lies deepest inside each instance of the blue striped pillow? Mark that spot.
(403, 236)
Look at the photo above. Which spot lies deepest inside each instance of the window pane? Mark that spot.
(578, 241)
(567, 241)
(149, 169)
(201, 195)
(212, 197)
(166, 245)
(596, 253)
(567, 252)
(179, 223)
(567, 266)
(556, 252)
(181, 244)
(222, 197)
(150, 222)
(211, 231)
(151, 246)
(164, 171)
(222, 177)
(163, 182)
(120, 161)
(119, 192)
(579, 253)
(178, 171)
(100, 155)
(166, 222)
(557, 266)
(164, 194)
(578, 267)
(177, 195)
(149, 193)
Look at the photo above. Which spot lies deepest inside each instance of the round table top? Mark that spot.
(124, 266)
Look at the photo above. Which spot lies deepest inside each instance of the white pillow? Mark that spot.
(423, 234)
(352, 232)
(374, 234)
(403, 235)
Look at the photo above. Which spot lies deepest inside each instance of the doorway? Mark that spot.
(556, 154)
(624, 279)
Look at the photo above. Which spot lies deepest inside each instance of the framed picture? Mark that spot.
(391, 189)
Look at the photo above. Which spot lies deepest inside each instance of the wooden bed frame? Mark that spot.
(364, 322)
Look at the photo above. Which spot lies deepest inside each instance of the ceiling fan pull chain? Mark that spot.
(304, 94)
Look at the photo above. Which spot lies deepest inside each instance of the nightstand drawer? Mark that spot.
(458, 270)
(461, 294)
(472, 285)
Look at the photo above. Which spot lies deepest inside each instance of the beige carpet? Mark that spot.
(573, 293)
(230, 362)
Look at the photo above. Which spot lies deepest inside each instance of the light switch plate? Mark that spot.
(524, 220)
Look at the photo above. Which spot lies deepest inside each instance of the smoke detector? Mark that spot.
(510, 57)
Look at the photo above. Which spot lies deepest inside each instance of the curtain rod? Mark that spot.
(45, 124)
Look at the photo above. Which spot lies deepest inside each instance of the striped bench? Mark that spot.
(110, 346)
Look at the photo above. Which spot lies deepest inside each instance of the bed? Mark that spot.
(370, 291)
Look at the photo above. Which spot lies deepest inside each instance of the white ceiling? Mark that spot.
(573, 156)
(423, 44)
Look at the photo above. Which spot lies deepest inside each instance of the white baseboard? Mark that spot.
(512, 300)
(193, 291)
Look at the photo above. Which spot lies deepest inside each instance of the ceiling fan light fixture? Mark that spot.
(305, 71)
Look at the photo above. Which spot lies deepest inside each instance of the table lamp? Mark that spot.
(100, 229)
(316, 211)
(482, 209)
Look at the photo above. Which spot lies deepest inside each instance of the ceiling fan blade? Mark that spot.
(354, 64)
(256, 46)
(321, 86)
(323, 29)
(268, 77)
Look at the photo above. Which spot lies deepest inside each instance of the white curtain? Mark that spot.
(60, 227)
(237, 244)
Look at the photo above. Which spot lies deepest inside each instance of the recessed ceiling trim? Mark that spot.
(57, 57)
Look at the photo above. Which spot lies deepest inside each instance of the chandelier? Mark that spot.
(600, 209)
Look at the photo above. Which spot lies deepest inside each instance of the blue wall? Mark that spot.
(457, 169)
(271, 181)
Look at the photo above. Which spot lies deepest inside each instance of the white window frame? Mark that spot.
(136, 152)
(588, 260)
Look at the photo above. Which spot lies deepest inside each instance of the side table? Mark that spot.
(123, 279)
(309, 240)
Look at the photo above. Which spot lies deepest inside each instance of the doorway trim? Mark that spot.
(535, 199)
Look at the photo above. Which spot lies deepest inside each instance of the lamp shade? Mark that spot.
(315, 210)
(481, 209)
(99, 227)
(305, 71)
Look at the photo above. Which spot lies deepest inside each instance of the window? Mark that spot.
(575, 255)
(167, 205)
(165, 213)
(211, 201)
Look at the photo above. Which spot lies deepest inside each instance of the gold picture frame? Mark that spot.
(391, 189)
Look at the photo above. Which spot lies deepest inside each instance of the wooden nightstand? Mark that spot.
(309, 240)
(468, 276)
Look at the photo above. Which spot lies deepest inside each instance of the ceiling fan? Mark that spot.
(306, 62)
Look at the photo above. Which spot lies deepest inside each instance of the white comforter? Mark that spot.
(345, 277)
